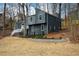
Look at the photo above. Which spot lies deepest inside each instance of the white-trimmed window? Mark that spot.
(40, 17)
(42, 27)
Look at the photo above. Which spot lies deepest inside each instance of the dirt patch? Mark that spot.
(57, 35)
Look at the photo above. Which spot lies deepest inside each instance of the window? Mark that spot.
(42, 27)
(40, 17)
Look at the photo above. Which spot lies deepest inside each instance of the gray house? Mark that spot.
(42, 23)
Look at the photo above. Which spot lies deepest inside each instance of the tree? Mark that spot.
(27, 7)
(60, 14)
(65, 14)
(4, 17)
(54, 8)
(11, 12)
(72, 22)
(24, 19)
(47, 7)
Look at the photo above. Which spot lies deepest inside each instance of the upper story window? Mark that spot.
(40, 17)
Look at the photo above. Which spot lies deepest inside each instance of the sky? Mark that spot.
(1, 6)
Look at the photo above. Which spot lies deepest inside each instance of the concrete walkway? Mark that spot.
(49, 40)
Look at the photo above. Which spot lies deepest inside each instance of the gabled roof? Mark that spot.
(44, 12)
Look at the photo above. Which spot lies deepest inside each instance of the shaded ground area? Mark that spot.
(26, 46)
(5, 33)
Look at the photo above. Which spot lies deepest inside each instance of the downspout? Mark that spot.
(47, 18)
(27, 18)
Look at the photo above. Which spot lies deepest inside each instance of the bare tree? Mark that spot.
(27, 13)
(4, 17)
(25, 6)
(65, 14)
(72, 23)
(11, 13)
(24, 19)
(54, 8)
(47, 7)
(60, 14)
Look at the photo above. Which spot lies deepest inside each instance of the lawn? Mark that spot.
(26, 46)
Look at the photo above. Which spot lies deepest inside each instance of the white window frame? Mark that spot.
(42, 27)
(39, 17)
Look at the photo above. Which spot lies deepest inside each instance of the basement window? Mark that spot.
(42, 27)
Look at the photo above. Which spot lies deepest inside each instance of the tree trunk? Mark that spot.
(27, 16)
(65, 16)
(47, 7)
(72, 26)
(60, 15)
(4, 17)
(54, 8)
(24, 19)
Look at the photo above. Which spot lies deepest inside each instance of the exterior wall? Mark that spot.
(37, 29)
(35, 24)
(53, 23)
(38, 13)
(31, 20)
(35, 19)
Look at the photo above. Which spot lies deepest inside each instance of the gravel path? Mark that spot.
(49, 40)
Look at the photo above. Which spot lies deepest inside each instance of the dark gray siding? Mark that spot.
(35, 25)
(53, 23)
(35, 19)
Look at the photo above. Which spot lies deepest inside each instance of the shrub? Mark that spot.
(37, 36)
